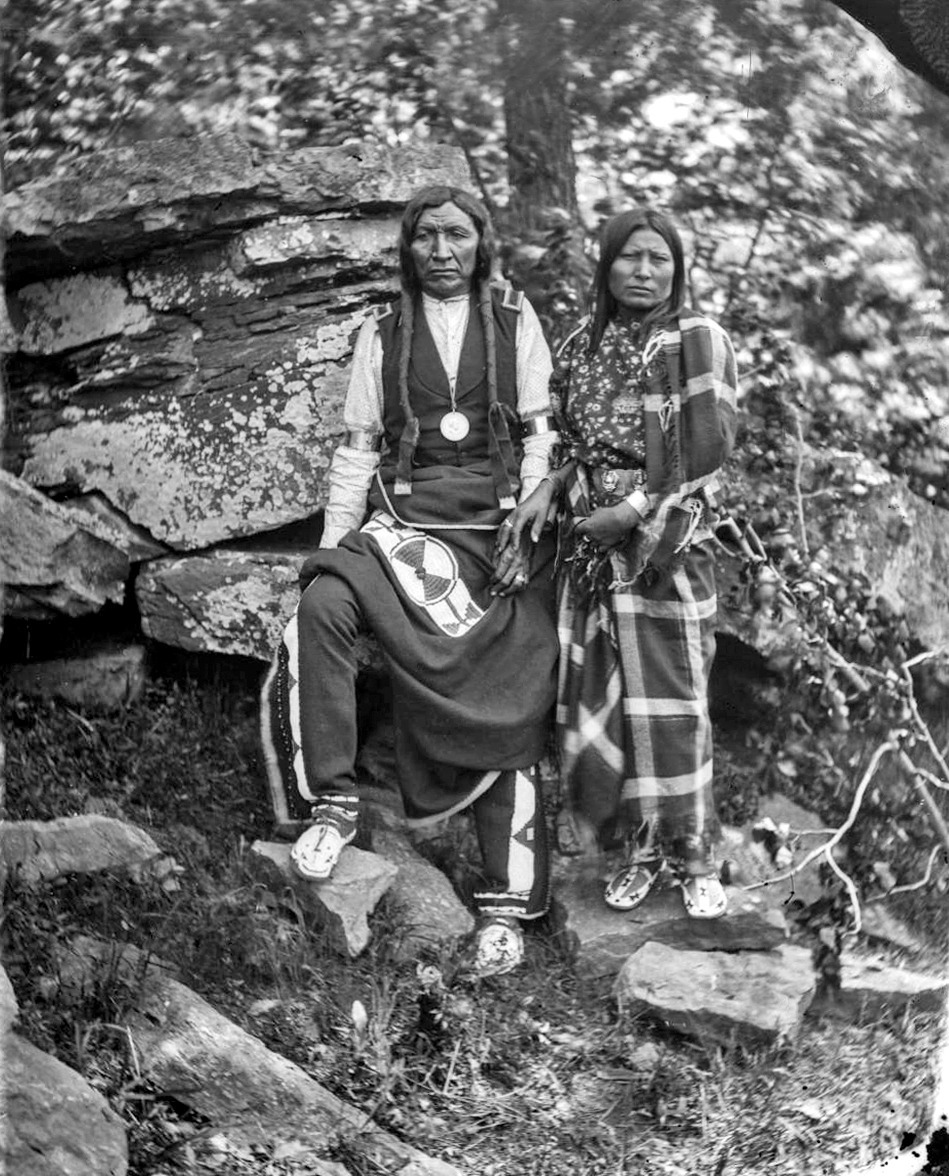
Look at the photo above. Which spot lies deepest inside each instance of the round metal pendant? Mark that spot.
(454, 426)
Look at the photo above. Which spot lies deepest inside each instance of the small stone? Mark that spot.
(432, 912)
(341, 903)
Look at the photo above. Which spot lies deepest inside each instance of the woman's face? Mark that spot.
(641, 276)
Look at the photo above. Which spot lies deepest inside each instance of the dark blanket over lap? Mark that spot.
(462, 703)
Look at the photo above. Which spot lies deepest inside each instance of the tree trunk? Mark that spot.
(541, 165)
(548, 261)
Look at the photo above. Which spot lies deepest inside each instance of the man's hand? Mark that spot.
(609, 525)
(531, 515)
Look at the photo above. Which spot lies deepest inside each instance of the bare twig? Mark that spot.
(847, 668)
(451, 1066)
(921, 723)
(851, 889)
(798, 467)
(933, 779)
(838, 834)
(918, 885)
(926, 796)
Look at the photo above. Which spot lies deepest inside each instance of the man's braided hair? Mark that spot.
(434, 197)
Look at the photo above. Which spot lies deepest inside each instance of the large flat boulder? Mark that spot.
(223, 601)
(231, 599)
(195, 382)
(232, 436)
(757, 998)
(606, 938)
(119, 202)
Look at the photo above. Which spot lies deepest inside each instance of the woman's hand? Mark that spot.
(511, 571)
(609, 525)
(516, 538)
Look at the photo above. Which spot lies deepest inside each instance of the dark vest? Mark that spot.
(429, 392)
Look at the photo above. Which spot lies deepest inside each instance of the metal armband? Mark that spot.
(364, 440)
(533, 426)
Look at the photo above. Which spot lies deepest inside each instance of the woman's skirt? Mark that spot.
(632, 715)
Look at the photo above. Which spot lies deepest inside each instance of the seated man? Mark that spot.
(448, 419)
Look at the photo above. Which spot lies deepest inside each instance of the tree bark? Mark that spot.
(541, 165)
(916, 32)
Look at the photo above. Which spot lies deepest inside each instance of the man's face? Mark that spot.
(445, 250)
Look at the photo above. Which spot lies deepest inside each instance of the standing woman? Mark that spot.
(647, 391)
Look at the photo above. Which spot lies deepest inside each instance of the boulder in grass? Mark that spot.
(431, 912)
(342, 903)
(56, 1124)
(42, 850)
(753, 997)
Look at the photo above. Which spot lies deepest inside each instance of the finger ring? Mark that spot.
(507, 524)
(520, 578)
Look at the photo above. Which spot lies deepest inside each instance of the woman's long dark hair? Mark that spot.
(613, 236)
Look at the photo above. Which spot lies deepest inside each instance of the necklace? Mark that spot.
(454, 425)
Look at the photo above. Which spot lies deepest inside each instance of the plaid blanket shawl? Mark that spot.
(632, 714)
(690, 391)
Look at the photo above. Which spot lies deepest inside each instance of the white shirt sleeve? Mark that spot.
(351, 470)
(534, 367)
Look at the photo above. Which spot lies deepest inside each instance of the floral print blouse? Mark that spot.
(601, 398)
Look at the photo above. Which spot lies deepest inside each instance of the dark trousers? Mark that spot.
(310, 726)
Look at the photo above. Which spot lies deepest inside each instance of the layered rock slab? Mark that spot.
(606, 938)
(196, 381)
(56, 1124)
(249, 1094)
(42, 850)
(55, 561)
(756, 998)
